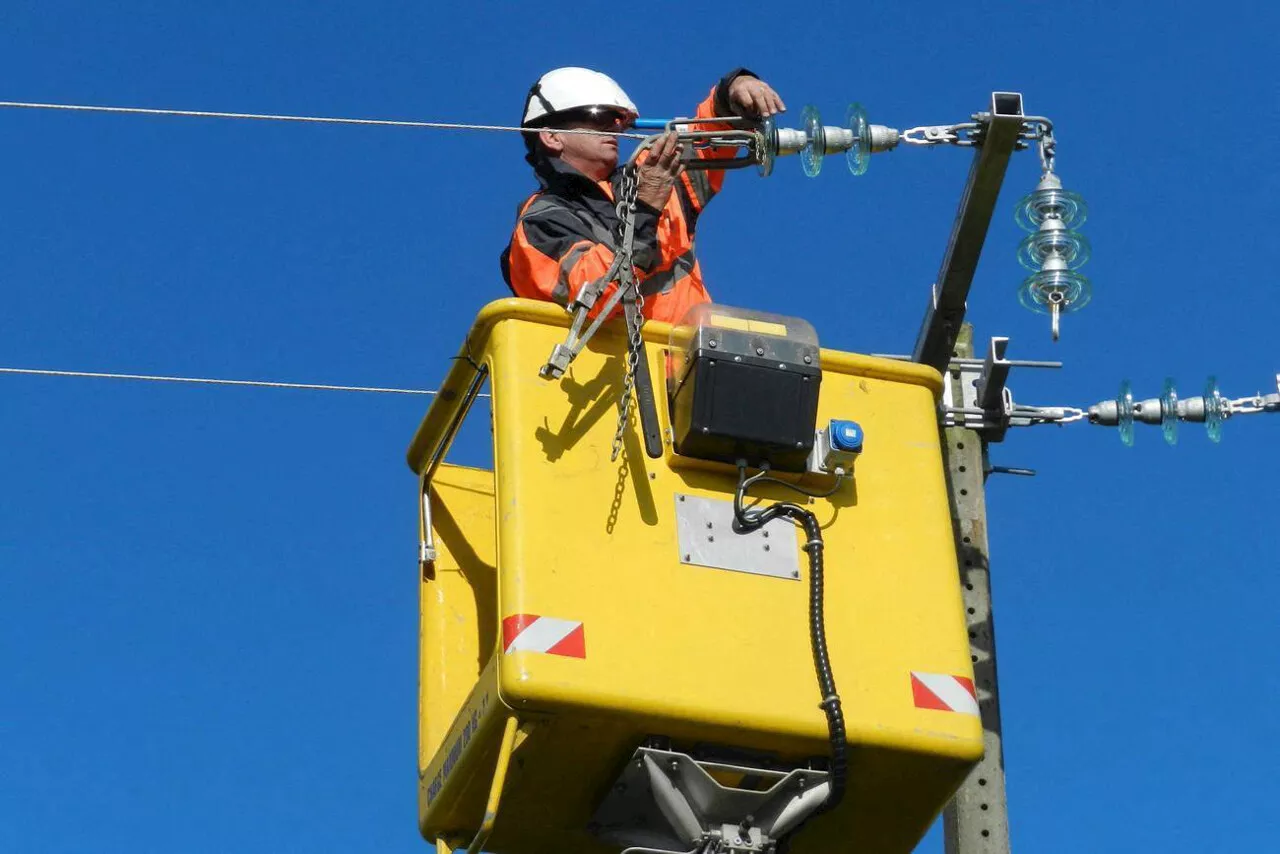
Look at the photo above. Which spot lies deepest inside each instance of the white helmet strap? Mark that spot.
(536, 92)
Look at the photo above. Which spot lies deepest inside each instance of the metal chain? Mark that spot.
(1254, 403)
(1048, 145)
(1034, 129)
(1039, 129)
(626, 280)
(963, 134)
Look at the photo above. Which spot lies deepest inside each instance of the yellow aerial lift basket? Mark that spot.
(607, 664)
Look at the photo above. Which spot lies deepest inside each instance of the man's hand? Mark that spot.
(658, 173)
(752, 98)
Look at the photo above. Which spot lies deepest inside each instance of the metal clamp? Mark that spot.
(1257, 403)
(741, 133)
(562, 355)
(963, 134)
(986, 402)
(666, 801)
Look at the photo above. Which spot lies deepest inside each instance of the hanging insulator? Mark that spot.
(1054, 250)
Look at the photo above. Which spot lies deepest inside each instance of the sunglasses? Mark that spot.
(597, 119)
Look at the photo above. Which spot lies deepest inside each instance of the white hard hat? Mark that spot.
(573, 88)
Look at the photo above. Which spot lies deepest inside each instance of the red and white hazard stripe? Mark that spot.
(944, 693)
(532, 633)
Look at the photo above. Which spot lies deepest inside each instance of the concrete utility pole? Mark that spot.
(977, 819)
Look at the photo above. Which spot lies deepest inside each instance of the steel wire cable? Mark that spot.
(147, 111)
(96, 108)
(216, 381)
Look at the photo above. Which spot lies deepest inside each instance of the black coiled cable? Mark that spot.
(750, 520)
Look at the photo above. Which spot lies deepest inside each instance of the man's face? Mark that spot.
(594, 156)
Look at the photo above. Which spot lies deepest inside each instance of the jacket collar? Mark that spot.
(554, 174)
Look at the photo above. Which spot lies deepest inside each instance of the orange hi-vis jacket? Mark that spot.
(567, 232)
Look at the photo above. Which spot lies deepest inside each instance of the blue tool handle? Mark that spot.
(651, 124)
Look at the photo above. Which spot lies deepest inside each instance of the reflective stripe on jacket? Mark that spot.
(566, 233)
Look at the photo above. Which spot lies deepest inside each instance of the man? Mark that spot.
(567, 232)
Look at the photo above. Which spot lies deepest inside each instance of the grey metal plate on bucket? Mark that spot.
(704, 529)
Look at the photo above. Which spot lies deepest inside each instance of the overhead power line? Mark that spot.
(145, 111)
(212, 381)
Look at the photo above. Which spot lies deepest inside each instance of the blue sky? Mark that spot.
(207, 595)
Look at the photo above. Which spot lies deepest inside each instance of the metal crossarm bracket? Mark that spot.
(985, 402)
(991, 391)
(996, 139)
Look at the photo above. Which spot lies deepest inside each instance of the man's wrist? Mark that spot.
(646, 212)
(724, 107)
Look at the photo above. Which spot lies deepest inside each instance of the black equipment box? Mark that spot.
(745, 387)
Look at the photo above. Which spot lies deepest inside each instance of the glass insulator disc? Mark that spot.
(1169, 412)
(858, 156)
(1124, 408)
(1072, 246)
(1215, 410)
(815, 147)
(1070, 290)
(1036, 207)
